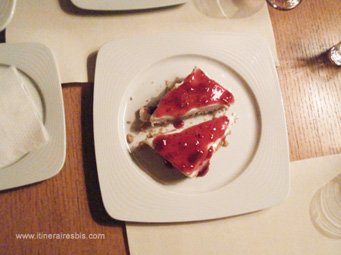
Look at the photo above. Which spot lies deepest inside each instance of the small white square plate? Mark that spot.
(252, 173)
(120, 5)
(38, 69)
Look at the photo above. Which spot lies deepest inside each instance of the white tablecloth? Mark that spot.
(286, 229)
(74, 35)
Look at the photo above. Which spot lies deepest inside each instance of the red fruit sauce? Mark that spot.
(197, 90)
(178, 123)
(189, 150)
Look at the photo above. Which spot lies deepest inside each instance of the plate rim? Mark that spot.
(10, 16)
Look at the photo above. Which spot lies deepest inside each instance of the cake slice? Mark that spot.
(191, 149)
(196, 94)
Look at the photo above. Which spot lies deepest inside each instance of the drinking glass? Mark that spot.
(335, 54)
(284, 5)
(240, 8)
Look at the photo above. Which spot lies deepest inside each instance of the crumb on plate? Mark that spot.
(130, 138)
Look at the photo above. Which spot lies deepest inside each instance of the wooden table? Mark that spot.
(71, 201)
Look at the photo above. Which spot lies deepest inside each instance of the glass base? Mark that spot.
(284, 4)
(335, 54)
(233, 9)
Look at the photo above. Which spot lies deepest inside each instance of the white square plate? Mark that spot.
(38, 69)
(252, 173)
(116, 5)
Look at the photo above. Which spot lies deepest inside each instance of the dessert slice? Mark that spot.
(191, 149)
(196, 94)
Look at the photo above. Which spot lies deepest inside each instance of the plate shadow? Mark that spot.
(96, 206)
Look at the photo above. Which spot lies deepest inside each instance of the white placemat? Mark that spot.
(286, 229)
(74, 35)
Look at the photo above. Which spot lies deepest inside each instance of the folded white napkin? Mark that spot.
(21, 128)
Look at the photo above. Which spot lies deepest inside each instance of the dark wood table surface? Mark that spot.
(71, 202)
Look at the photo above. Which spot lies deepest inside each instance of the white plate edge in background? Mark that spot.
(8, 14)
(106, 5)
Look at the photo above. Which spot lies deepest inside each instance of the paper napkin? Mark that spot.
(21, 128)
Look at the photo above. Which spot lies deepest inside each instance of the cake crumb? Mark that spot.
(144, 114)
(130, 138)
(224, 142)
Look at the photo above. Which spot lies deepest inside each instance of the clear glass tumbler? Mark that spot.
(335, 54)
(240, 8)
(284, 5)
